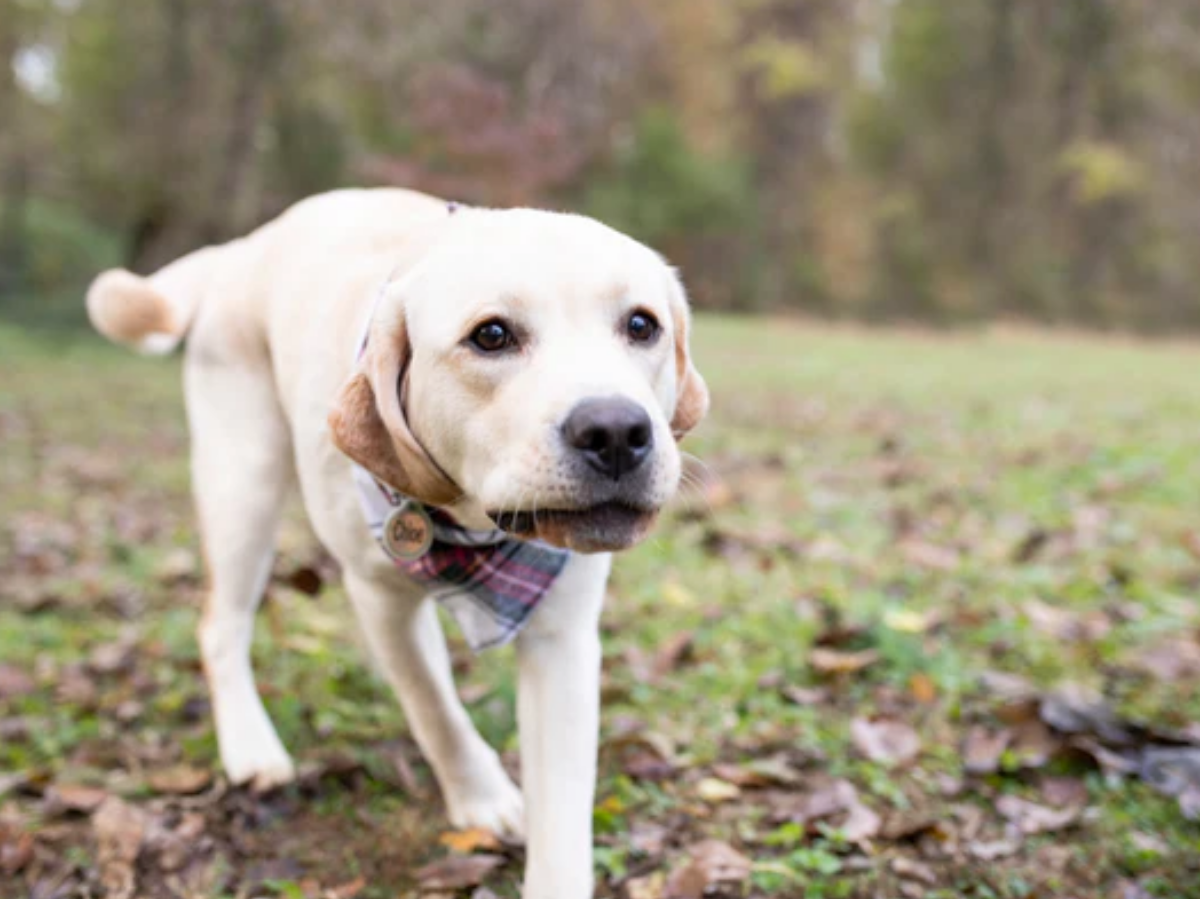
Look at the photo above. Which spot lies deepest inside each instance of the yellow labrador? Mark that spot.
(510, 372)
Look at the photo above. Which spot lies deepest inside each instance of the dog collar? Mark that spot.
(490, 582)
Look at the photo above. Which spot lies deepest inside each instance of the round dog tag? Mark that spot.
(407, 532)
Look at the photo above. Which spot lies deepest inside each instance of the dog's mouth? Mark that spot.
(605, 527)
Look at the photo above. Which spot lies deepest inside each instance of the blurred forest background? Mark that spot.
(934, 160)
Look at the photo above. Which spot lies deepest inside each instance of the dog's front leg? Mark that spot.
(559, 716)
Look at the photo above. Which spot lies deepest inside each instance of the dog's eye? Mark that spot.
(642, 327)
(493, 336)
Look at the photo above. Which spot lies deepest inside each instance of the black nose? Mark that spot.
(613, 435)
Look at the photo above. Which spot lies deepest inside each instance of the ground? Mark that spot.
(924, 624)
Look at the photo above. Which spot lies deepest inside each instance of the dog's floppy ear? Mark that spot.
(691, 398)
(369, 425)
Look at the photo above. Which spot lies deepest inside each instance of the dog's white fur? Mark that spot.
(273, 321)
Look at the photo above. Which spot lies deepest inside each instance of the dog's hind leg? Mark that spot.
(241, 469)
(406, 638)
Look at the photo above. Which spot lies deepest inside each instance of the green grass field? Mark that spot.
(896, 545)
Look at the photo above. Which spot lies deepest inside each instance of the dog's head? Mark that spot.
(533, 369)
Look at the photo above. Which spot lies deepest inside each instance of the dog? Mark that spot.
(520, 374)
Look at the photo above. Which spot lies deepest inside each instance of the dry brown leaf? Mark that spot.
(16, 851)
(911, 869)
(15, 682)
(836, 802)
(889, 743)
(861, 823)
(1034, 744)
(457, 872)
(929, 555)
(994, 849)
(1066, 625)
(805, 695)
(1031, 818)
(711, 865)
(179, 780)
(1063, 791)
(1172, 659)
(346, 890)
(110, 658)
(922, 688)
(835, 662)
(983, 748)
(119, 829)
(74, 798)
(473, 839)
(1191, 542)
(672, 653)
(764, 772)
(1005, 687)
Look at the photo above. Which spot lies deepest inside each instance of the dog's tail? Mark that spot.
(151, 314)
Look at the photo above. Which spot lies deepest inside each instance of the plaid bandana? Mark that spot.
(490, 582)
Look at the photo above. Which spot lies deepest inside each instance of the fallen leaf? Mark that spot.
(836, 802)
(835, 661)
(1063, 791)
(650, 887)
(994, 849)
(62, 798)
(346, 890)
(1174, 771)
(16, 851)
(929, 555)
(648, 838)
(1172, 659)
(889, 743)
(982, 749)
(805, 695)
(764, 772)
(1076, 709)
(177, 565)
(715, 790)
(110, 658)
(922, 688)
(1006, 687)
(1034, 744)
(908, 621)
(457, 872)
(675, 594)
(672, 653)
(119, 829)
(910, 869)
(179, 780)
(470, 840)
(1066, 625)
(15, 682)
(861, 823)
(1031, 818)
(711, 865)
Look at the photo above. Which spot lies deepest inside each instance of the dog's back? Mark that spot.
(319, 239)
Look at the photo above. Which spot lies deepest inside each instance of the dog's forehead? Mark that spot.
(533, 258)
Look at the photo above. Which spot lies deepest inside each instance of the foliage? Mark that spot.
(927, 159)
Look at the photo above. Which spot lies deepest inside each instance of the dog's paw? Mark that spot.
(264, 770)
(493, 803)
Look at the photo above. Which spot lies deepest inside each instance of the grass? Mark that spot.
(928, 497)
